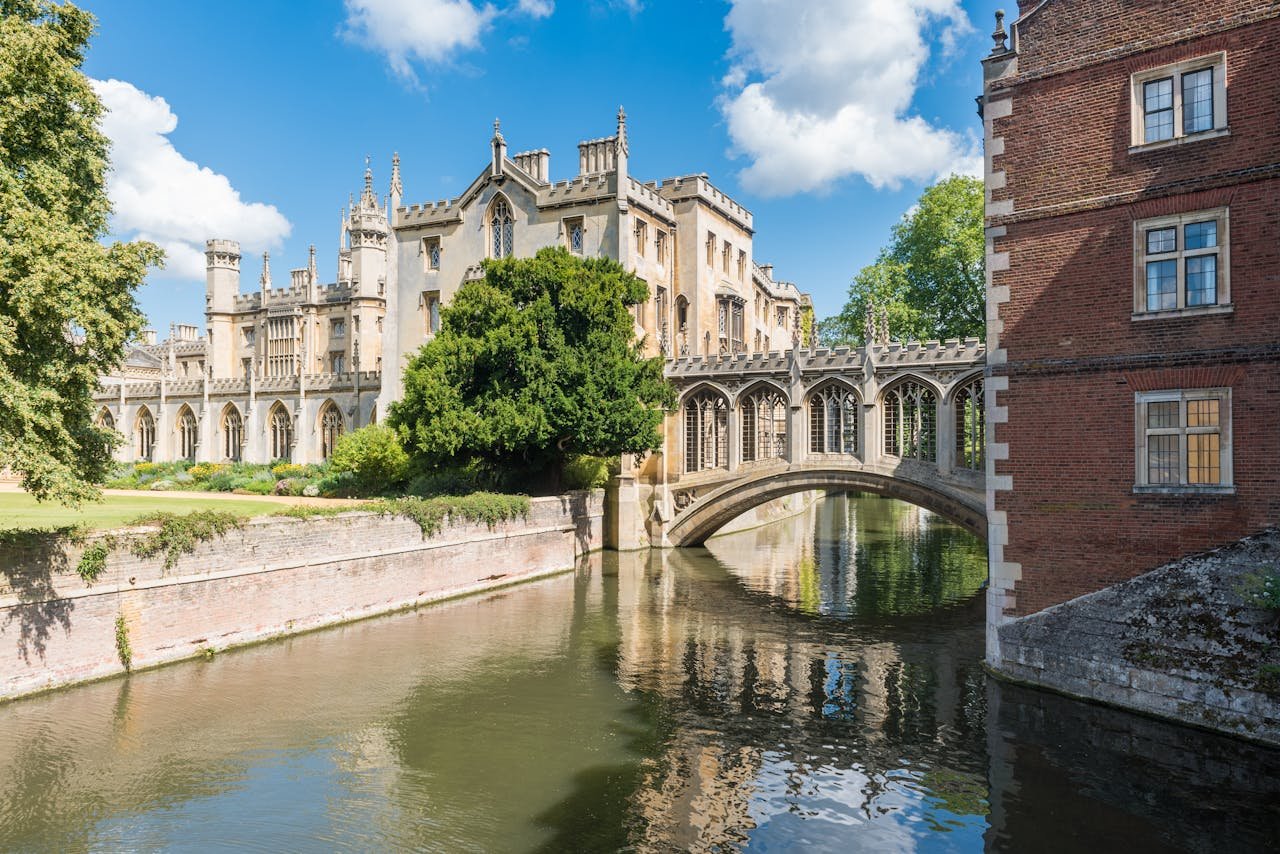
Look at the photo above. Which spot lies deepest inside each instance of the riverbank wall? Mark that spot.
(1186, 642)
(275, 576)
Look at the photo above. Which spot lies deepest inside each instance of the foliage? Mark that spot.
(67, 305)
(178, 535)
(535, 363)
(1262, 588)
(454, 480)
(930, 279)
(204, 471)
(284, 471)
(94, 561)
(373, 455)
(431, 513)
(588, 472)
(123, 649)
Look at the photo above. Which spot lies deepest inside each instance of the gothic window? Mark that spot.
(187, 435)
(971, 427)
(145, 435)
(432, 305)
(764, 425)
(331, 427)
(706, 432)
(337, 328)
(501, 229)
(282, 343)
(833, 420)
(731, 314)
(664, 330)
(431, 249)
(337, 362)
(105, 419)
(232, 433)
(574, 235)
(280, 424)
(911, 421)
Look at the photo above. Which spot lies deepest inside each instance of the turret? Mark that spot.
(368, 230)
(222, 274)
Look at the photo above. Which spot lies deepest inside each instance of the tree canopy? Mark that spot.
(930, 279)
(534, 363)
(67, 307)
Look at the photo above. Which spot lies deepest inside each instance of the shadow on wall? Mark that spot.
(28, 560)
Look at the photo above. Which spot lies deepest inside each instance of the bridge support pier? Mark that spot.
(624, 517)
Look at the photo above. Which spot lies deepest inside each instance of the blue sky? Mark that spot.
(252, 120)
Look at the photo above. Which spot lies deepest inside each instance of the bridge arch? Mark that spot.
(711, 512)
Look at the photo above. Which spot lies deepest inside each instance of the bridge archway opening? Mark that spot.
(711, 513)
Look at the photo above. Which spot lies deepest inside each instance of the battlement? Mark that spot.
(647, 194)
(953, 352)
(698, 186)
(438, 213)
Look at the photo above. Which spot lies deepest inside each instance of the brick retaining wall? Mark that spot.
(276, 576)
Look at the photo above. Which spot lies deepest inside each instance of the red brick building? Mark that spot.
(1133, 299)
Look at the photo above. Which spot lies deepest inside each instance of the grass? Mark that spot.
(19, 510)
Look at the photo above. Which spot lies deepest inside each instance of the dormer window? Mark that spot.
(501, 230)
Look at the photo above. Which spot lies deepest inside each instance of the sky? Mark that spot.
(252, 119)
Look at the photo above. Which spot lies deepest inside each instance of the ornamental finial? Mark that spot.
(998, 35)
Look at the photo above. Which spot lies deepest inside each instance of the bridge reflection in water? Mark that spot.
(815, 683)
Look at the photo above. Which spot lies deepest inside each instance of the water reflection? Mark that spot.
(812, 685)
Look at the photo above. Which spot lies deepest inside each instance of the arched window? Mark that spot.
(971, 426)
(232, 433)
(187, 435)
(706, 432)
(331, 427)
(833, 420)
(145, 435)
(764, 425)
(281, 425)
(501, 229)
(106, 420)
(911, 421)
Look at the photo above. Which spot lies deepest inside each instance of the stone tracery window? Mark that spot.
(971, 427)
(706, 432)
(911, 421)
(331, 428)
(232, 433)
(833, 420)
(764, 425)
(501, 229)
(106, 420)
(145, 435)
(187, 435)
(281, 426)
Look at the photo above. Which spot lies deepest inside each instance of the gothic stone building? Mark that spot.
(282, 372)
(1133, 244)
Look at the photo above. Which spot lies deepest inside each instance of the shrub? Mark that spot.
(285, 471)
(432, 513)
(220, 482)
(587, 472)
(145, 468)
(372, 455)
(201, 472)
(162, 486)
(93, 562)
(336, 485)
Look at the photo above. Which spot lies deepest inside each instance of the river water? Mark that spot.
(812, 685)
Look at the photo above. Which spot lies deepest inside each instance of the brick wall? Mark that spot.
(274, 577)
(1066, 194)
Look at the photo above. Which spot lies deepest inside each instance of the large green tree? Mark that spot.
(66, 300)
(534, 363)
(930, 278)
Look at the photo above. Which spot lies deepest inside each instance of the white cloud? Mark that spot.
(420, 30)
(537, 8)
(822, 90)
(159, 195)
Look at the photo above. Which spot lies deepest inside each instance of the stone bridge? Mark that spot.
(905, 421)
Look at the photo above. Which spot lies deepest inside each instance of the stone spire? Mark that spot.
(623, 147)
(998, 35)
(312, 276)
(397, 189)
(368, 201)
(264, 281)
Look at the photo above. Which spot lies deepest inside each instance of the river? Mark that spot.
(811, 685)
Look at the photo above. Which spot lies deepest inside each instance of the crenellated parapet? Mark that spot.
(700, 187)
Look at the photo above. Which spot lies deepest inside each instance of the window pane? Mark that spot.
(1160, 240)
(1162, 459)
(1162, 414)
(1197, 101)
(1200, 235)
(1162, 285)
(1202, 280)
(1202, 413)
(1204, 460)
(1157, 103)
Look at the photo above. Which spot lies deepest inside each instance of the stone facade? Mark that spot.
(280, 372)
(1133, 234)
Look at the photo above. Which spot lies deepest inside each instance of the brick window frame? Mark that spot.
(1179, 254)
(1216, 63)
(1185, 427)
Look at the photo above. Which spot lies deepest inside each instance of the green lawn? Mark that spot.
(19, 510)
